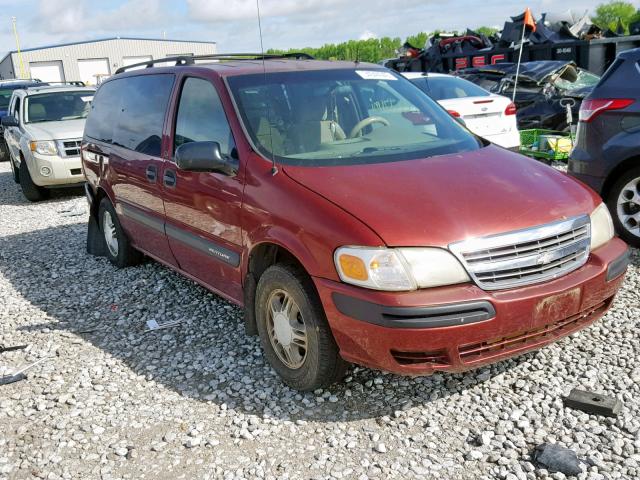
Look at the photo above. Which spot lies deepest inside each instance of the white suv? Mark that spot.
(43, 129)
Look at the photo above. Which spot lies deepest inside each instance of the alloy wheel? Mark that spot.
(286, 329)
(629, 207)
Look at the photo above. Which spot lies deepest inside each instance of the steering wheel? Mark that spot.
(357, 130)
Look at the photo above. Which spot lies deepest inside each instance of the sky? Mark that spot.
(233, 23)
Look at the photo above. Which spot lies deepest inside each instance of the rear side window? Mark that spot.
(143, 105)
(130, 112)
(104, 113)
(610, 71)
(201, 117)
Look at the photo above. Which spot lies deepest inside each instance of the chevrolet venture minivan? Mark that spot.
(348, 213)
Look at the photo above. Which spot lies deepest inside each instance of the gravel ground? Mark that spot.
(198, 401)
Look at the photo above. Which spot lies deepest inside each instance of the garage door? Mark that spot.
(47, 71)
(126, 61)
(93, 70)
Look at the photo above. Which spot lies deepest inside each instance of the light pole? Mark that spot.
(15, 33)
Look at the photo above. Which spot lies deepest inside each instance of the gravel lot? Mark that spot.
(198, 401)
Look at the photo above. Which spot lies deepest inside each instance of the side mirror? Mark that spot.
(10, 121)
(204, 157)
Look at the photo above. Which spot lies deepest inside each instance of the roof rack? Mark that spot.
(190, 59)
(73, 83)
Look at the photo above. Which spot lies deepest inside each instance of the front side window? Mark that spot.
(57, 106)
(201, 117)
(334, 117)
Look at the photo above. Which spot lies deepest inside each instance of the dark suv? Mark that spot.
(607, 152)
(350, 214)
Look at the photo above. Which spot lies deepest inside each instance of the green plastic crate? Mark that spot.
(530, 138)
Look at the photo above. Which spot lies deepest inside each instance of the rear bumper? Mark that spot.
(509, 140)
(469, 326)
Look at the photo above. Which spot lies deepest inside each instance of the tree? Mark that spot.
(608, 14)
(488, 31)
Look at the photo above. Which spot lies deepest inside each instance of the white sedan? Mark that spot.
(486, 114)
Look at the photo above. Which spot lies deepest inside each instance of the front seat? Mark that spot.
(37, 112)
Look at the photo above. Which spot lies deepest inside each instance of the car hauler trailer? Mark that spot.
(593, 55)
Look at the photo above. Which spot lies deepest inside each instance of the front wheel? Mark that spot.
(14, 170)
(33, 192)
(624, 205)
(294, 332)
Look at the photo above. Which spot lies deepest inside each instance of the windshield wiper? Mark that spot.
(369, 150)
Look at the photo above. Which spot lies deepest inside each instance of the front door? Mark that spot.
(203, 209)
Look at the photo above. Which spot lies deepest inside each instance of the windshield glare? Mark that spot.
(58, 106)
(337, 117)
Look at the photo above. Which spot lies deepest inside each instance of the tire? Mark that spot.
(31, 191)
(118, 248)
(322, 364)
(14, 170)
(628, 229)
(4, 151)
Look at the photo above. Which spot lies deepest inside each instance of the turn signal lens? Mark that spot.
(353, 267)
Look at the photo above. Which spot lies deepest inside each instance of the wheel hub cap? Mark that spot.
(286, 329)
(110, 234)
(629, 207)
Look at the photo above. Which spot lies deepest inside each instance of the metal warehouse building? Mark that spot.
(91, 61)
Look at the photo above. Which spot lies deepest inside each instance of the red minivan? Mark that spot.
(349, 214)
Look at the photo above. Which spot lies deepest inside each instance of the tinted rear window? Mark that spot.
(611, 70)
(443, 88)
(130, 112)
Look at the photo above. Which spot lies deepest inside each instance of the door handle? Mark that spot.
(169, 178)
(152, 173)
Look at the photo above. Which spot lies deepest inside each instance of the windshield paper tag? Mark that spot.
(87, 99)
(376, 75)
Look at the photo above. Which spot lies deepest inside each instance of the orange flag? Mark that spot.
(529, 22)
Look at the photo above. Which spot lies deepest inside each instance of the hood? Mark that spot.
(440, 200)
(56, 130)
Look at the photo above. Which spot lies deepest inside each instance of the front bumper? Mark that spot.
(62, 170)
(397, 337)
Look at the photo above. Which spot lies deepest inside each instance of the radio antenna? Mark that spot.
(274, 168)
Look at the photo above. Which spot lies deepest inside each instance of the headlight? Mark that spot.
(46, 147)
(398, 269)
(601, 226)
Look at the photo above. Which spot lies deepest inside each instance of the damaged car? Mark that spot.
(543, 90)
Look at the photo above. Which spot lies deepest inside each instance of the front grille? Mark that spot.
(525, 257)
(70, 148)
(550, 332)
(438, 358)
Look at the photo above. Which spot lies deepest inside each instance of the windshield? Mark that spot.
(338, 117)
(58, 106)
(444, 88)
(576, 78)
